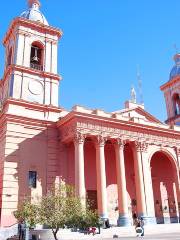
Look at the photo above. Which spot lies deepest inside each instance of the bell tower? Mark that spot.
(171, 91)
(30, 72)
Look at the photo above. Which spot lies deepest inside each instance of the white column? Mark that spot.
(79, 167)
(124, 219)
(139, 181)
(150, 211)
(101, 177)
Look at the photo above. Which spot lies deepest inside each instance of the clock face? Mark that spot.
(35, 87)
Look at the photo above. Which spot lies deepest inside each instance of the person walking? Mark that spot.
(21, 230)
(134, 216)
(142, 225)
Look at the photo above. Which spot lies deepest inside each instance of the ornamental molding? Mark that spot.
(79, 137)
(90, 128)
(120, 142)
(100, 140)
(177, 150)
(141, 146)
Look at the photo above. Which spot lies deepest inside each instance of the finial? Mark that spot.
(133, 95)
(32, 2)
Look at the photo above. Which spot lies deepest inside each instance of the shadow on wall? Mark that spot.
(31, 167)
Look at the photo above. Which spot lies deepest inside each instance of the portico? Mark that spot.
(114, 143)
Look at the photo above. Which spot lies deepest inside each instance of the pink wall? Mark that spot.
(90, 166)
(28, 148)
(70, 164)
(130, 179)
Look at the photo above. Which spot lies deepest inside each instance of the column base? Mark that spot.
(105, 220)
(124, 220)
(167, 220)
(104, 216)
(148, 220)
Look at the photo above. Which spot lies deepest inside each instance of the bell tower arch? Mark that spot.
(30, 72)
(171, 91)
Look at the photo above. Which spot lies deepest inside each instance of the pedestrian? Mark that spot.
(134, 216)
(107, 225)
(142, 225)
(99, 225)
(21, 230)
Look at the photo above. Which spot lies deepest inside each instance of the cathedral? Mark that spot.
(125, 162)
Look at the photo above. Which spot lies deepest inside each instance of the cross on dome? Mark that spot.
(32, 2)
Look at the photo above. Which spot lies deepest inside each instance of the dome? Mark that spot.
(176, 69)
(33, 13)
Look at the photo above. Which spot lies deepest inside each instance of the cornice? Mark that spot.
(116, 123)
(170, 83)
(131, 135)
(29, 121)
(22, 69)
(31, 24)
(31, 105)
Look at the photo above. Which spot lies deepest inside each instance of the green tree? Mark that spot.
(59, 208)
(28, 212)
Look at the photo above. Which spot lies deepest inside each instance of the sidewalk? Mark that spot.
(121, 232)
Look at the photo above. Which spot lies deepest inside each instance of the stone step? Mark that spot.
(13, 238)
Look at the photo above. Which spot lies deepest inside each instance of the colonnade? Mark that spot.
(142, 188)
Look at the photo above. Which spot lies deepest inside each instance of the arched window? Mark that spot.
(176, 104)
(36, 58)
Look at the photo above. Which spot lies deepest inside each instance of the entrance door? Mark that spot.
(92, 197)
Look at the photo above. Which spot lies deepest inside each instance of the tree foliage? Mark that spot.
(58, 209)
(27, 211)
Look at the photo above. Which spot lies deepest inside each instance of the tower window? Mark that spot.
(9, 58)
(32, 179)
(36, 58)
(176, 103)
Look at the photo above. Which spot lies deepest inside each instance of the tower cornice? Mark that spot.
(33, 25)
(170, 83)
(23, 69)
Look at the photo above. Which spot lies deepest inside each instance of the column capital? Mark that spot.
(177, 150)
(141, 146)
(79, 137)
(120, 143)
(100, 140)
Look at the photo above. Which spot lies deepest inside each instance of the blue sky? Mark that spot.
(103, 42)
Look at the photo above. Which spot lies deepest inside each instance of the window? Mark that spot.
(176, 103)
(32, 179)
(9, 58)
(36, 57)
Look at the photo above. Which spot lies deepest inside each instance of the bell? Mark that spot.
(35, 58)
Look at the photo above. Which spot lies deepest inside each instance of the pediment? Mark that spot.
(138, 113)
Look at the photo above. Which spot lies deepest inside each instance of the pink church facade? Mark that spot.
(125, 161)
